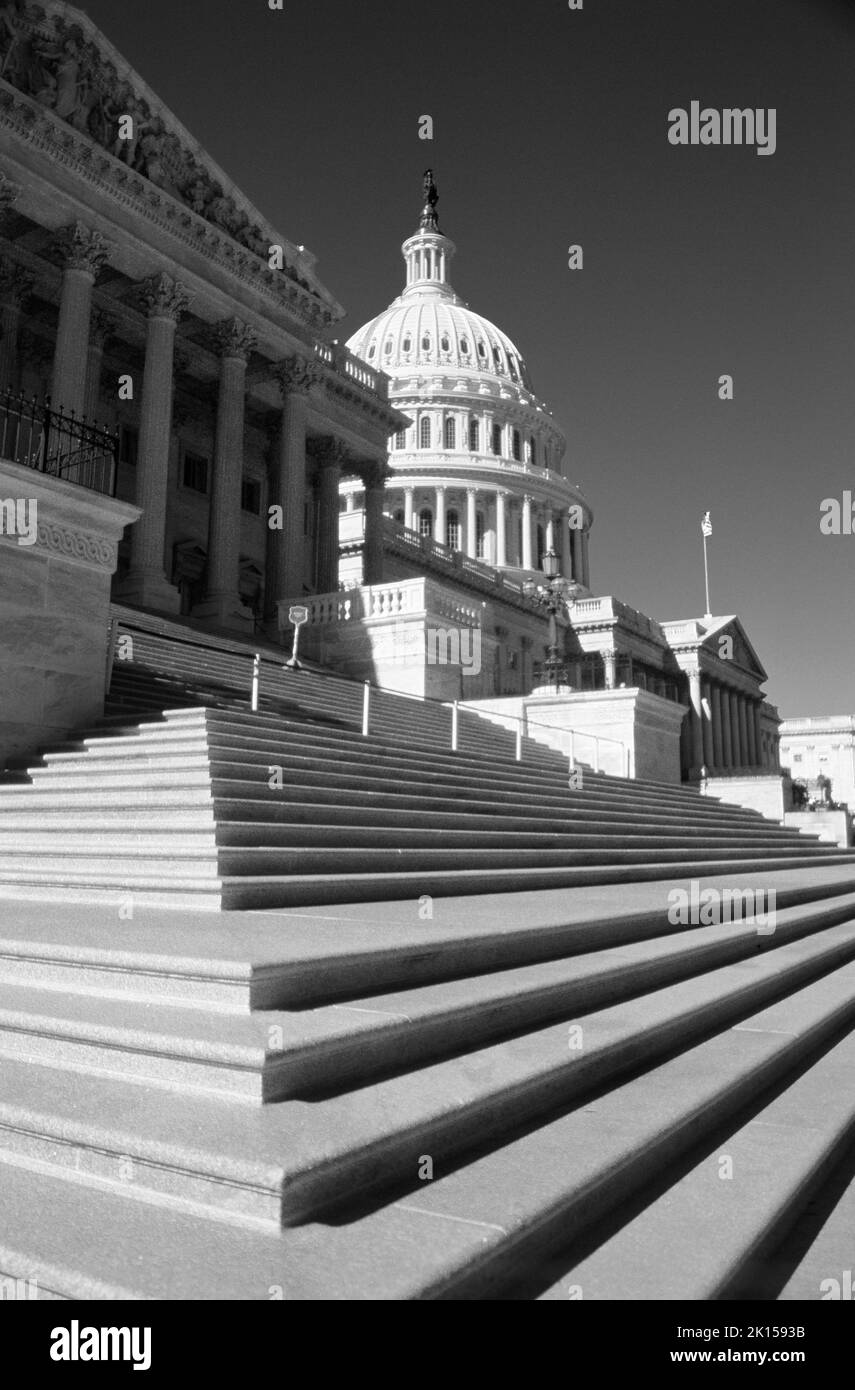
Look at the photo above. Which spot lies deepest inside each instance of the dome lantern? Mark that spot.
(427, 254)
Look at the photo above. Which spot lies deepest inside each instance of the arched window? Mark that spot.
(479, 536)
(425, 522)
(541, 548)
(444, 343)
(497, 439)
(450, 432)
(401, 439)
(452, 530)
(474, 435)
(515, 443)
(424, 432)
(532, 451)
(387, 347)
(464, 347)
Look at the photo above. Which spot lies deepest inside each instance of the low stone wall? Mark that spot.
(770, 794)
(623, 719)
(54, 608)
(835, 827)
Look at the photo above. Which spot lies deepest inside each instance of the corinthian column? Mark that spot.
(15, 286)
(145, 584)
(222, 603)
(471, 523)
(82, 253)
(566, 559)
(329, 454)
(501, 532)
(286, 559)
(102, 328)
(374, 478)
(526, 533)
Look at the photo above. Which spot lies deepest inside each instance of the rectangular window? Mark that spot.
(515, 440)
(250, 496)
(497, 439)
(195, 472)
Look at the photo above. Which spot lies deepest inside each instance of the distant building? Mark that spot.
(822, 746)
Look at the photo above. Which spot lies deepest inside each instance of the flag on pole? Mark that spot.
(706, 524)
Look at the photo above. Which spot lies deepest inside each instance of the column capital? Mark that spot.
(79, 247)
(16, 283)
(234, 338)
(163, 297)
(374, 473)
(9, 194)
(296, 374)
(328, 452)
(102, 327)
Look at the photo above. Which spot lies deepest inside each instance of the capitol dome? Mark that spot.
(481, 467)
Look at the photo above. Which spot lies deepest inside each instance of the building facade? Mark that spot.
(822, 746)
(140, 288)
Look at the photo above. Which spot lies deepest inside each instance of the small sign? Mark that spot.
(297, 614)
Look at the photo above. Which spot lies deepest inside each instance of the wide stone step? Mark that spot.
(468, 1233)
(283, 960)
(251, 861)
(740, 1197)
(275, 1055)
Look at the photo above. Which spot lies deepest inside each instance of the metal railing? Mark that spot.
(50, 441)
(520, 725)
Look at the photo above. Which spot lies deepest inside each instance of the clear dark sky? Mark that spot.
(550, 128)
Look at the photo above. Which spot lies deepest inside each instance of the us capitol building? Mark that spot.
(404, 488)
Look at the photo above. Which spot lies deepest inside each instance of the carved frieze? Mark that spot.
(78, 545)
(51, 60)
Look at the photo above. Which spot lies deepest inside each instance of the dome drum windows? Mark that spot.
(426, 522)
(450, 433)
(424, 432)
(516, 448)
(401, 439)
(452, 531)
(497, 439)
(474, 436)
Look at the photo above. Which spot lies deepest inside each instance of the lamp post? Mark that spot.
(551, 597)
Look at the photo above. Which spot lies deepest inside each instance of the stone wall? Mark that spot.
(596, 727)
(54, 609)
(769, 793)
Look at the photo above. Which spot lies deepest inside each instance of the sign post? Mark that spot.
(297, 614)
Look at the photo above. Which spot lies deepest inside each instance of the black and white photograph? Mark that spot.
(427, 667)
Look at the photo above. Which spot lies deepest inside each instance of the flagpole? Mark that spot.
(708, 613)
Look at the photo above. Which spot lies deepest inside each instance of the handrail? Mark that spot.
(523, 722)
(37, 435)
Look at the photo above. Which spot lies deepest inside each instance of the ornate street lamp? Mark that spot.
(550, 596)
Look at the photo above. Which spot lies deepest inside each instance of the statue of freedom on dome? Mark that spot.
(429, 220)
